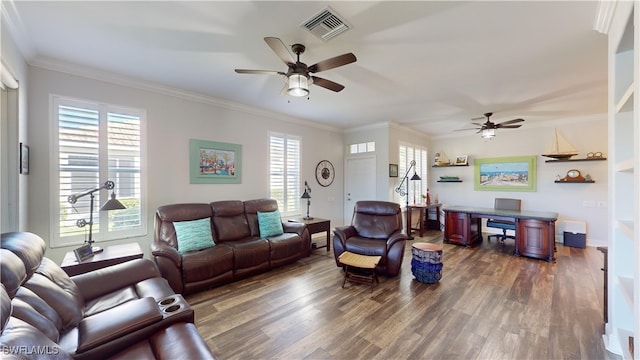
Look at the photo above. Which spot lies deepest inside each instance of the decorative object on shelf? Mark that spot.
(212, 162)
(560, 148)
(393, 170)
(449, 178)
(594, 155)
(402, 192)
(325, 173)
(574, 175)
(307, 195)
(111, 204)
(516, 173)
(441, 159)
(24, 159)
(461, 160)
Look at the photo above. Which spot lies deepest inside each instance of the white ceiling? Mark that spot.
(430, 66)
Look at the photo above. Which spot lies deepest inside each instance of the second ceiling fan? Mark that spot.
(298, 76)
(488, 128)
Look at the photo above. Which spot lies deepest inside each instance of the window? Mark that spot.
(416, 188)
(284, 172)
(95, 143)
(362, 147)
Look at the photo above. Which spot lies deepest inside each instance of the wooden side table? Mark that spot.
(423, 211)
(111, 255)
(317, 225)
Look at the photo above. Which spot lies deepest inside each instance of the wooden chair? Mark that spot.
(504, 204)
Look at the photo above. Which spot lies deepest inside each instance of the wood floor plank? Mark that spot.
(489, 304)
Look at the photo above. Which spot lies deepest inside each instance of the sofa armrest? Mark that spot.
(294, 227)
(116, 322)
(395, 237)
(99, 282)
(169, 262)
(166, 251)
(342, 233)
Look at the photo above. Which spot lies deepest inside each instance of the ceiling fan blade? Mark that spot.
(511, 121)
(478, 124)
(334, 62)
(507, 126)
(280, 49)
(467, 129)
(478, 118)
(264, 72)
(327, 84)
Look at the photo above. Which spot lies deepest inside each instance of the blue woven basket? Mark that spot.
(426, 272)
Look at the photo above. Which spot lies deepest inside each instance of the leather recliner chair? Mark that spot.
(375, 230)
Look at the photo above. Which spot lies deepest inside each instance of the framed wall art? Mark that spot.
(393, 170)
(212, 162)
(461, 160)
(515, 173)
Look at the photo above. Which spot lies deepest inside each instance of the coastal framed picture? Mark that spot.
(212, 162)
(514, 173)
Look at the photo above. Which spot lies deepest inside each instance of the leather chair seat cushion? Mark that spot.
(285, 246)
(109, 301)
(250, 253)
(207, 263)
(367, 246)
(17, 333)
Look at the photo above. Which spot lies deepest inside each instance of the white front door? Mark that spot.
(360, 179)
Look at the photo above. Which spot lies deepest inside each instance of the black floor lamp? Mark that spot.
(307, 195)
(401, 191)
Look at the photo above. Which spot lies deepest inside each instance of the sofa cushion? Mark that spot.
(270, 224)
(207, 264)
(193, 235)
(229, 220)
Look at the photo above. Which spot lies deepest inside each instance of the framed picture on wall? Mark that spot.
(462, 160)
(212, 162)
(516, 173)
(393, 170)
(24, 159)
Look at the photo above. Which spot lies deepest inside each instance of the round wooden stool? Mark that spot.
(426, 264)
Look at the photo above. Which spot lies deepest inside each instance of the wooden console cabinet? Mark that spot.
(535, 230)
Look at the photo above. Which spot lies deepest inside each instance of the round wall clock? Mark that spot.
(325, 173)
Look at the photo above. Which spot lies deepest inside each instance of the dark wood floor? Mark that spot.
(488, 305)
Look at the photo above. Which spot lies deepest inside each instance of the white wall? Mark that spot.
(565, 199)
(171, 121)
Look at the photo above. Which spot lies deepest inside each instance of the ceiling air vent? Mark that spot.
(326, 24)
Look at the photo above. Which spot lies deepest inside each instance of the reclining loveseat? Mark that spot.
(123, 311)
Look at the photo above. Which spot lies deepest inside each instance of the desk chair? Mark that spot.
(504, 204)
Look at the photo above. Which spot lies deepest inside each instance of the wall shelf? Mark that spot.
(446, 181)
(570, 160)
(574, 182)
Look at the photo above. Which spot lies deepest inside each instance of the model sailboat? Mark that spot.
(560, 148)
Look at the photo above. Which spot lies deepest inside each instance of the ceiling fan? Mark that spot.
(298, 76)
(488, 129)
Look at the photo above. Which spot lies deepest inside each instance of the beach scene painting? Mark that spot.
(212, 162)
(506, 174)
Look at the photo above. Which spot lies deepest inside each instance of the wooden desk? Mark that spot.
(424, 211)
(317, 225)
(111, 255)
(535, 230)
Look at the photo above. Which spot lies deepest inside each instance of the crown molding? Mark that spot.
(604, 15)
(117, 79)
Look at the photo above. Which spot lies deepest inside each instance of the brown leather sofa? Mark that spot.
(375, 230)
(122, 311)
(239, 251)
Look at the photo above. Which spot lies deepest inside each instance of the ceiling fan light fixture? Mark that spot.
(488, 133)
(298, 85)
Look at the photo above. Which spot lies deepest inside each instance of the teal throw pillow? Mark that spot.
(193, 235)
(270, 223)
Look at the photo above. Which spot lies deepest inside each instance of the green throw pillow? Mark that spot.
(193, 235)
(270, 223)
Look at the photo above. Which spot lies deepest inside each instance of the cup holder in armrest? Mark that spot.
(167, 301)
(172, 308)
(175, 305)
